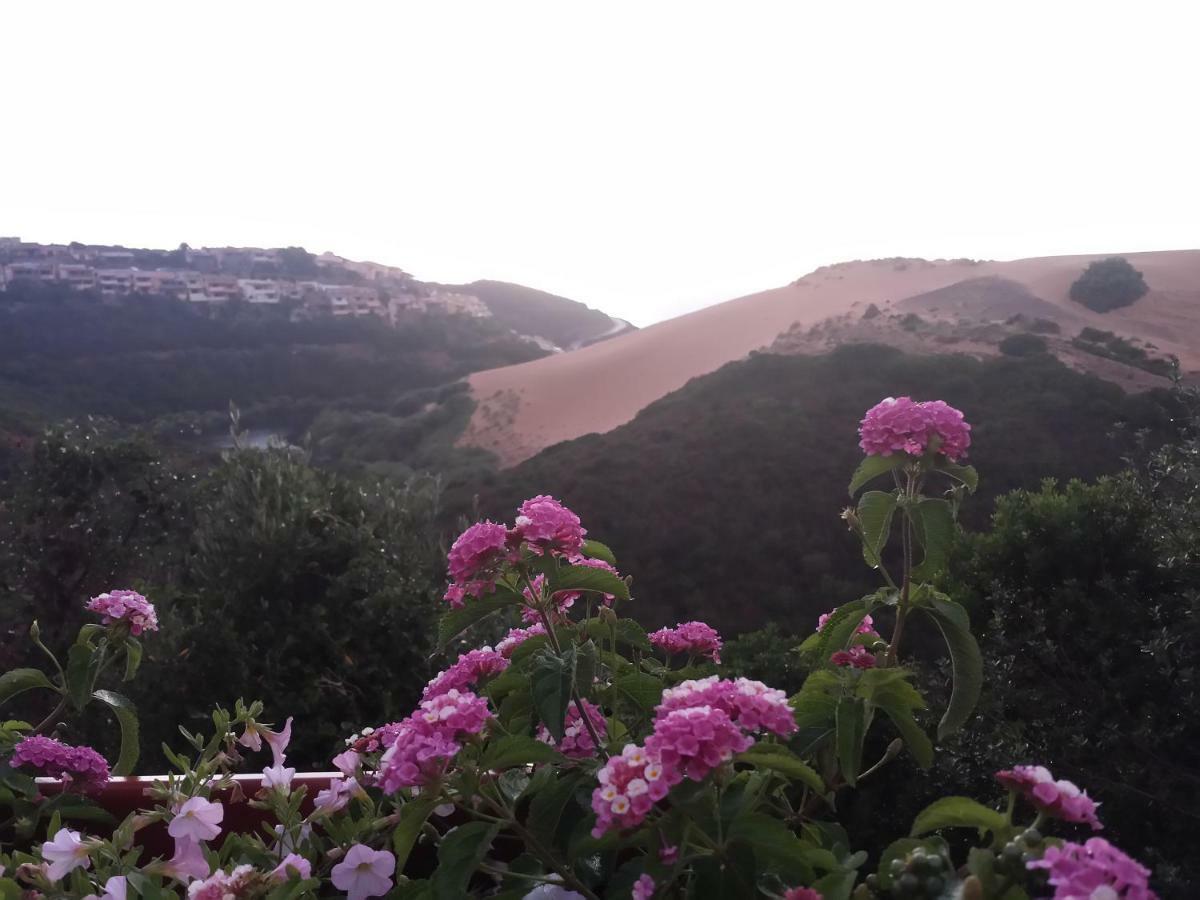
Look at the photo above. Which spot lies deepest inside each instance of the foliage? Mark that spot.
(1110, 346)
(528, 311)
(1108, 284)
(698, 493)
(1022, 345)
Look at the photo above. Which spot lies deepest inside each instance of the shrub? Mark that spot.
(582, 757)
(1108, 284)
(1022, 345)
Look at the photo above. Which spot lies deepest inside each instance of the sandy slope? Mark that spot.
(525, 408)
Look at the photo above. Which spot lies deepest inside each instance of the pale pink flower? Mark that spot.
(689, 637)
(857, 656)
(293, 866)
(81, 765)
(337, 796)
(549, 527)
(197, 819)
(279, 741)
(751, 705)
(1095, 870)
(629, 786)
(65, 853)
(467, 671)
(364, 872)
(516, 637)
(188, 861)
(243, 881)
(577, 741)
(1060, 799)
(668, 854)
(127, 606)
(347, 762)
(643, 888)
(278, 777)
(116, 888)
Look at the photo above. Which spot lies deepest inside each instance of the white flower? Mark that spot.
(197, 819)
(65, 853)
(364, 872)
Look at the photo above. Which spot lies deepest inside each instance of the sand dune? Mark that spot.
(523, 409)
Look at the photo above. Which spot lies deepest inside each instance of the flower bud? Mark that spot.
(607, 615)
(35, 632)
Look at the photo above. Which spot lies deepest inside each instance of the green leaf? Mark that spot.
(780, 759)
(79, 674)
(933, 521)
(967, 664)
(550, 685)
(627, 632)
(722, 877)
(585, 578)
(10, 890)
(891, 692)
(133, 657)
(835, 885)
(516, 750)
(459, 855)
(957, 812)
(86, 812)
(413, 815)
(642, 690)
(840, 627)
(126, 714)
(875, 511)
(872, 467)
(586, 664)
(597, 550)
(457, 621)
(552, 793)
(965, 474)
(851, 723)
(17, 681)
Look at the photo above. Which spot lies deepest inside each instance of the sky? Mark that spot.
(647, 158)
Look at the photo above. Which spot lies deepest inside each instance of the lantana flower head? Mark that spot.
(643, 888)
(455, 711)
(516, 637)
(419, 756)
(901, 425)
(577, 740)
(1095, 870)
(689, 637)
(857, 656)
(630, 785)
(750, 704)
(474, 561)
(467, 671)
(126, 606)
(1060, 799)
(549, 527)
(80, 766)
(692, 742)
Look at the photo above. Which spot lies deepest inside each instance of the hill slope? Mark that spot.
(722, 499)
(524, 408)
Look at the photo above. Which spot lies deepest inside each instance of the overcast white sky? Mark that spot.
(648, 158)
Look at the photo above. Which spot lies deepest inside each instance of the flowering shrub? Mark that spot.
(572, 761)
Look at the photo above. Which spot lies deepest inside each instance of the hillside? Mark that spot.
(721, 499)
(525, 408)
(566, 323)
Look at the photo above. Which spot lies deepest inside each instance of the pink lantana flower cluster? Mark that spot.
(689, 637)
(751, 705)
(643, 888)
(74, 765)
(692, 742)
(469, 670)
(126, 606)
(426, 742)
(516, 637)
(1060, 799)
(475, 559)
(630, 785)
(858, 656)
(1095, 870)
(577, 740)
(549, 527)
(902, 425)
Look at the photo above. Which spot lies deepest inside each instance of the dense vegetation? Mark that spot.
(1022, 345)
(720, 462)
(65, 353)
(529, 311)
(272, 578)
(1109, 284)
(1110, 346)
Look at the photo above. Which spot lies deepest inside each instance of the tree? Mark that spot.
(1022, 345)
(1108, 284)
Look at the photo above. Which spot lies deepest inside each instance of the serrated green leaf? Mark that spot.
(966, 662)
(80, 672)
(597, 550)
(851, 724)
(626, 631)
(780, 759)
(459, 855)
(413, 816)
(964, 474)
(957, 812)
(516, 750)
(586, 578)
(642, 690)
(872, 467)
(550, 685)
(123, 708)
(933, 522)
(550, 795)
(841, 625)
(17, 681)
(875, 511)
(900, 713)
(133, 657)
(457, 621)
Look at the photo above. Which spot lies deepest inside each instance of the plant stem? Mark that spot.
(49, 720)
(906, 536)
